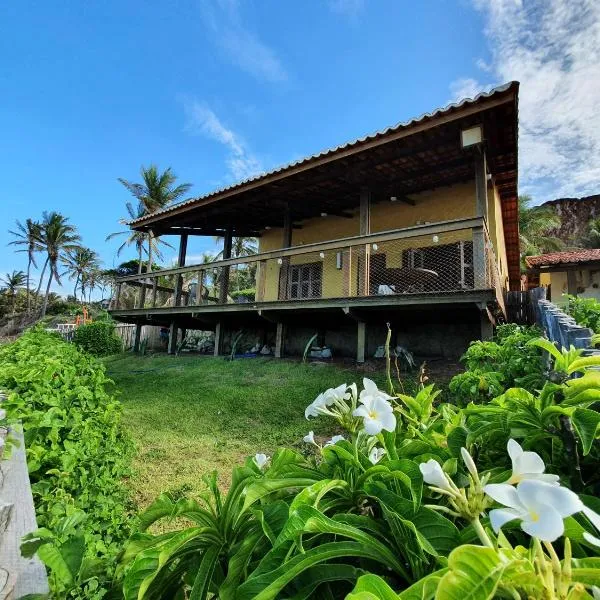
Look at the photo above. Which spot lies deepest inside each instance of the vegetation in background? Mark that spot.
(586, 311)
(98, 338)
(77, 454)
(535, 224)
(12, 283)
(28, 239)
(492, 367)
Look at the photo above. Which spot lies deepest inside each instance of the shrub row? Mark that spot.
(77, 453)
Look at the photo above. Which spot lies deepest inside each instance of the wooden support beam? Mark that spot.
(286, 242)
(180, 263)
(361, 341)
(280, 341)
(224, 287)
(118, 295)
(365, 229)
(154, 291)
(218, 338)
(479, 260)
(137, 337)
(481, 187)
(172, 346)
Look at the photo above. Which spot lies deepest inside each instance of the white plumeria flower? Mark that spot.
(540, 506)
(261, 460)
(594, 517)
(377, 414)
(334, 440)
(310, 438)
(434, 475)
(527, 465)
(313, 409)
(372, 391)
(376, 455)
(469, 463)
(339, 394)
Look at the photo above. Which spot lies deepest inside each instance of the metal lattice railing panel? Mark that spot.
(444, 262)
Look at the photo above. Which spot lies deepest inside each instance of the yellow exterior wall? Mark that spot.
(496, 228)
(444, 204)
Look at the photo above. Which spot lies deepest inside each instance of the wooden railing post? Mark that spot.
(199, 287)
(224, 279)
(479, 259)
(154, 291)
(118, 295)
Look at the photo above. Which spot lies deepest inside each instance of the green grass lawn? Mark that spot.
(191, 415)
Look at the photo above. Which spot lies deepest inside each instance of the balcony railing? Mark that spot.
(439, 258)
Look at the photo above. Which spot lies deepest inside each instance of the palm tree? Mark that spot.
(80, 263)
(535, 225)
(240, 246)
(14, 282)
(58, 237)
(138, 238)
(157, 191)
(28, 237)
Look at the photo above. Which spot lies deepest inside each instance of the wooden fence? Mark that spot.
(521, 306)
(18, 576)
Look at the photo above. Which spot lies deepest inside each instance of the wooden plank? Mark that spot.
(172, 345)
(154, 291)
(224, 283)
(17, 518)
(137, 338)
(384, 236)
(479, 260)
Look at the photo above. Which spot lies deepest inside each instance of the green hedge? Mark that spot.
(77, 452)
(98, 338)
(586, 311)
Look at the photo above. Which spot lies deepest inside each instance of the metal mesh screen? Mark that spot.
(454, 261)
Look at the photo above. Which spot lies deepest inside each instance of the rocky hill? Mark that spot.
(575, 214)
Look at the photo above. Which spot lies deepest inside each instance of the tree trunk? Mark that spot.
(45, 305)
(75, 287)
(140, 259)
(28, 292)
(39, 287)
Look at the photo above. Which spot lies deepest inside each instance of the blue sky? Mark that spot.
(218, 90)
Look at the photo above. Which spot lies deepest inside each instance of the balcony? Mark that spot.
(451, 259)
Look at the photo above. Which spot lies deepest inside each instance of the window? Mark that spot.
(305, 281)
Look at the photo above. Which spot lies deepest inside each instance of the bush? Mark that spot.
(77, 453)
(495, 366)
(586, 311)
(248, 295)
(98, 338)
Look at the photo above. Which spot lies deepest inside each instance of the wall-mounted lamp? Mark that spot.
(267, 227)
(375, 246)
(393, 198)
(280, 261)
(322, 254)
(436, 239)
(323, 214)
(472, 136)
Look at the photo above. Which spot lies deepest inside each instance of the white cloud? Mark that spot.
(241, 162)
(465, 88)
(553, 48)
(242, 46)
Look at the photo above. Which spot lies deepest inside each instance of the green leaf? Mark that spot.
(204, 575)
(425, 588)
(51, 556)
(372, 587)
(586, 423)
(474, 573)
(262, 488)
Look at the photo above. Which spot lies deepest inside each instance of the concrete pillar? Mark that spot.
(572, 282)
(487, 328)
(361, 340)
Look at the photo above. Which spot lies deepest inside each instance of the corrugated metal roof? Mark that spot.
(368, 138)
(563, 258)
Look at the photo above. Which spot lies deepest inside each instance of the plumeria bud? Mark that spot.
(261, 460)
(469, 463)
(434, 475)
(310, 438)
(334, 440)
